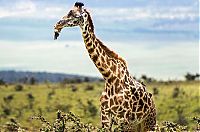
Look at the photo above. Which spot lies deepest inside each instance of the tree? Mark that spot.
(2, 82)
(33, 80)
(190, 77)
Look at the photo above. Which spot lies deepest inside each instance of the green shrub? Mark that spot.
(19, 87)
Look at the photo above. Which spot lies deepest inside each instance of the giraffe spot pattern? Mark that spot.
(124, 97)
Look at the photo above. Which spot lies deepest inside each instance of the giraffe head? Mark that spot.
(75, 17)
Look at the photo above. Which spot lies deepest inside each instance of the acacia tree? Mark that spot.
(191, 77)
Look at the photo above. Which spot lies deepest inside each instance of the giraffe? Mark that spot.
(124, 99)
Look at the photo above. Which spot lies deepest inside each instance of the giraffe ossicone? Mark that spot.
(124, 99)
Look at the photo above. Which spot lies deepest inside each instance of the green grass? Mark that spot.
(49, 98)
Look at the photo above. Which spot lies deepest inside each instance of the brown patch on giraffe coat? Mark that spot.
(145, 97)
(104, 104)
(126, 78)
(114, 108)
(125, 104)
(103, 97)
(113, 68)
(126, 97)
(94, 58)
(117, 90)
(137, 95)
(94, 46)
(98, 64)
(116, 82)
(133, 116)
(120, 109)
(119, 99)
(112, 79)
(97, 52)
(113, 90)
(101, 69)
(139, 114)
(121, 113)
(102, 59)
(87, 39)
(103, 112)
(104, 65)
(134, 106)
(145, 107)
(89, 44)
(86, 35)
(107, 74)
(108, 93)
(111, 102)
(139, 108)
(127, 114)
(108, 61)
(100, 50)
(133, 98)
(91, 50)
(148, 100)
(103, 117)
(133, 90)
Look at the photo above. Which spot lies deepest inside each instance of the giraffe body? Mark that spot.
(124, 100)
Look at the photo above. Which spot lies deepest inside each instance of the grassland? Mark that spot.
(175, 101)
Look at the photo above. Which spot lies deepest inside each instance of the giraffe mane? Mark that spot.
(90, 20)
(109, 52)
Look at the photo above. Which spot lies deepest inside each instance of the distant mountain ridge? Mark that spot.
(17, 76)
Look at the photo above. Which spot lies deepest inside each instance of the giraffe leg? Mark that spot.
(150, 122)
(106, 119)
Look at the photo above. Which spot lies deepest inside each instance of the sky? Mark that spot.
(157, 38)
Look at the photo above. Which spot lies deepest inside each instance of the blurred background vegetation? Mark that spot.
(176, 101)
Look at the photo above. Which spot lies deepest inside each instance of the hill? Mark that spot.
(25, 76)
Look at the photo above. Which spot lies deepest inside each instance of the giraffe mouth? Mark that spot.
(56, 34)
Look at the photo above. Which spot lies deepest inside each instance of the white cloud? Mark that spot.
(172, 60)
(140, 13)
(30, 9)
(33, 9)
(21, 8)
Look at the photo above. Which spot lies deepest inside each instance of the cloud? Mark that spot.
(171, 60)
(150, 19)
(20, 8)
(46, 9)
(30, 9)
(140, 13)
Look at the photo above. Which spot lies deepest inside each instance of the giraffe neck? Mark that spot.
(109, 64)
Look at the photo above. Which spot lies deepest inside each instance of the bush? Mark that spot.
(2, 82)
(64, 123)
(91, 108)
(33, 81)
(89, 87)
(51, 94)
(191, 77)
(6, 111)
(176, 92)
(8, 98)
(19, 87)
(74, 88)
(155, 91)
(31, 100)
